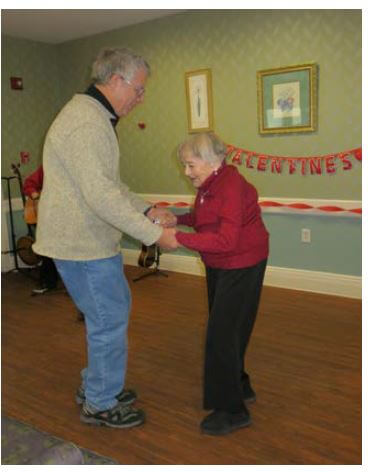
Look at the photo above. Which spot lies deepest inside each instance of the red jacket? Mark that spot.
(34, 182)
(230, 233)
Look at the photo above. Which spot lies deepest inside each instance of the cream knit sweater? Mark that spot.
(84, 206)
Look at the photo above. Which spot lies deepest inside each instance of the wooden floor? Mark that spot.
(305, 358)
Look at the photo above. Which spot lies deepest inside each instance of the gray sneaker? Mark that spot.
(120, 416)
(125, 397)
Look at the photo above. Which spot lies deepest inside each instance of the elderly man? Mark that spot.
(84, 209)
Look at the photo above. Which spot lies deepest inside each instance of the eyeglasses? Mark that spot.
(138, 90)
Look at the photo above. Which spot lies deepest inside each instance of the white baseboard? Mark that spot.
(283, 277)
(312, 281)
(7, 262)
(185, 264)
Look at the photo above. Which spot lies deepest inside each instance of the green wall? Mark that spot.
(234, 45)
(27, 114)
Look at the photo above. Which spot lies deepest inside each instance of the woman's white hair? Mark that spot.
(206, 146)
(120, 61)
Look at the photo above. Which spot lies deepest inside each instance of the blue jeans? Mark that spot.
(100, 290)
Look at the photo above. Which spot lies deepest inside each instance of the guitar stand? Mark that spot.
(154, 271)
(22, 270)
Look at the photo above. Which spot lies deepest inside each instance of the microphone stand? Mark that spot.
(13, 251)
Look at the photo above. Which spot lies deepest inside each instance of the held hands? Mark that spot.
(168, 239)
(168, 221)
(162, 217)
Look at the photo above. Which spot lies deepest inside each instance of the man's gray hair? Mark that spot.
(206, 146)
(120, 61)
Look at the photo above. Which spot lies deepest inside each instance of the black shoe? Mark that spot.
(221, 422)
(120, 416)
(249, 395)
(125, 397)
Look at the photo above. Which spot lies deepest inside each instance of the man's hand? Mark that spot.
(162, 217)
(168, 239)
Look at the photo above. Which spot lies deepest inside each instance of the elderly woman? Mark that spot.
(233, 243)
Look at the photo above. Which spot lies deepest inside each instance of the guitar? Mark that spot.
(149, 255)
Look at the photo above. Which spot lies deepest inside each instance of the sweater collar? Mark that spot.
(212, 177)
(94, 92)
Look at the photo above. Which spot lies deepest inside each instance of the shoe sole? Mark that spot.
(226, 430)
(98, 422)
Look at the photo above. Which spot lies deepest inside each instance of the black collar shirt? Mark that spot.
(94, 92)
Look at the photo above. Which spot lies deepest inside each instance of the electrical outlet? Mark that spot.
(306, 235)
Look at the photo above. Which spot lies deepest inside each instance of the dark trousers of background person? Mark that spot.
(233, 296)
(48, 273)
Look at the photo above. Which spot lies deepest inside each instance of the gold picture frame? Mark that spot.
(287, 99)
(199, 100)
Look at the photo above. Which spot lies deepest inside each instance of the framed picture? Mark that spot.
(287, 99)
(199, 101)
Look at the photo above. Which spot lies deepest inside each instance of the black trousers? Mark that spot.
(233, 296)
(48, 273)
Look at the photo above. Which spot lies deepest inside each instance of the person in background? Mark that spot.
(32, 188)
(234, 244)
(49, 276)
(83, 211)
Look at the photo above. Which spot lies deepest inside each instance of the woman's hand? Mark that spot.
(168, 239)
